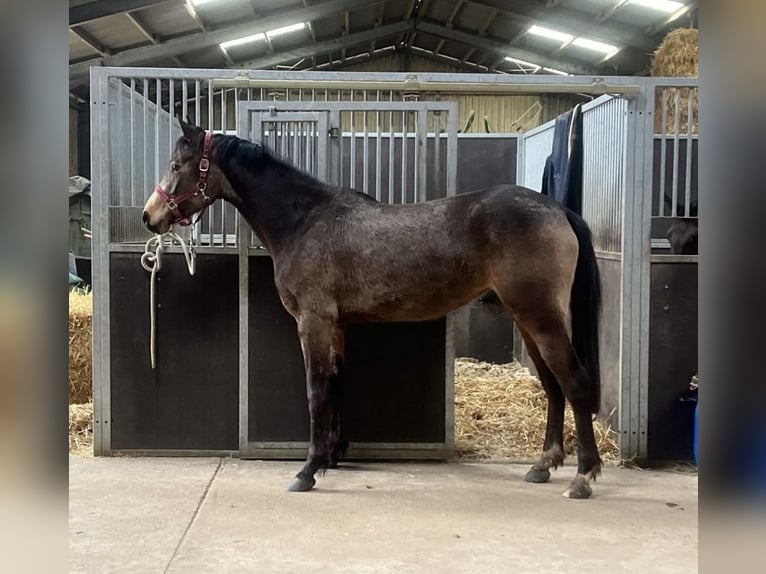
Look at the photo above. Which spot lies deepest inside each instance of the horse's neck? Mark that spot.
(274, 199)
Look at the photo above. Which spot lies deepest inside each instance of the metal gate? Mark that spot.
(406, 165)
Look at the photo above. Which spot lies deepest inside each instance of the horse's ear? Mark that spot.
(189, 130)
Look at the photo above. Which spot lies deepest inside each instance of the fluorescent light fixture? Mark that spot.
(668, 6)
(555, 71)
(261, 36)
(200, 2)
(595, 46)
(286, 29)
(549, 33)
(523, 63)
(243, 40)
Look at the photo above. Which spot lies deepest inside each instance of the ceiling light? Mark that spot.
(286, 29)
(523, 63)
(243, 40)
(595, 45)
(261, 36)
(199, 2)
(555, 71)
(668, 6)
(548, 33)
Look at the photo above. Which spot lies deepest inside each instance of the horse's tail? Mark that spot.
(585, 309)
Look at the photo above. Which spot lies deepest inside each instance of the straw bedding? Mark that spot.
(677, 56)
(500, 413)
(81, 429)
(80, 341)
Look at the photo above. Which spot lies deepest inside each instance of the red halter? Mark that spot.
(174, 203)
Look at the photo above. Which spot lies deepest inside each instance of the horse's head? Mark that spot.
(684, 231)
(191, 184)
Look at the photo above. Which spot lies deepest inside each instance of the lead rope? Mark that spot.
(151, 261)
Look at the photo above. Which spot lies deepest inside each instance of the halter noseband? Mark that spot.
(174, 203)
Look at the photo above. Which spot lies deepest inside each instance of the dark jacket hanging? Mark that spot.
(562, 177)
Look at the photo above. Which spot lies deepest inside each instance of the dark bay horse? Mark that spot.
(341, 257)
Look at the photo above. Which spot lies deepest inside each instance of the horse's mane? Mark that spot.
(232, 149)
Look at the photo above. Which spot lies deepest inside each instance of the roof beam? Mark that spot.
(79, 73)
(465, 66)
(102, 8)
(498, 47)
(327, 46)
(571, 21)
(482, 32)
(148, 35)
(92, 43)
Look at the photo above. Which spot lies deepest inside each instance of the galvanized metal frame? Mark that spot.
(255, 112)
(636, 217)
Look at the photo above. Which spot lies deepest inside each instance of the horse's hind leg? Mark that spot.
(556, 349)
(316, 336)
(338, 441)
(553, 447)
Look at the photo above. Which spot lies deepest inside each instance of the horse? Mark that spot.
(340, 257)
(683, 232)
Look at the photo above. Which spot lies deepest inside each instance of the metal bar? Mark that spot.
(197, 230)
(437, 153)
(689, 129)
(451, 160)
(244, 128)
(366, 158)
(171, 103)
(224, 125)
(133, 95)
(676, 147)
(211, 127)
(352, 183)
(146, 183)
(158, 103)
(391, 157)
(421, 157)
(663, 150)
(404, 158)
(378, 155)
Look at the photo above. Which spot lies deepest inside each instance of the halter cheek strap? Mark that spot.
(174, 203)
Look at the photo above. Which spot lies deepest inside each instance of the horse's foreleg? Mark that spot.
(338, 441)
(316, 335)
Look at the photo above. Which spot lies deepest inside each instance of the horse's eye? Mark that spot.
(174, 167)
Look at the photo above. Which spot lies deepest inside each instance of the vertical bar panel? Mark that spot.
(171, 103)
(676, 146)
(663, 149)
(689, 131)
(211, 127)
(352, 182)
(244, 129)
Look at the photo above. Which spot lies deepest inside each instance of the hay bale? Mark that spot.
(501, 410)
(80, 345)
(678, 57)
(81, 429)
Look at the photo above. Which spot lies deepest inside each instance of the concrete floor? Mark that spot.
(211, 515)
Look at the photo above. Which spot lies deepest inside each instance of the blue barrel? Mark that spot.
(696, 432)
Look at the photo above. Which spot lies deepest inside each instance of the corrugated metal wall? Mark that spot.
(73, 142)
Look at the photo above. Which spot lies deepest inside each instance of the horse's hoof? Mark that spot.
(301, 484)
(537, 475)
(579, 489)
